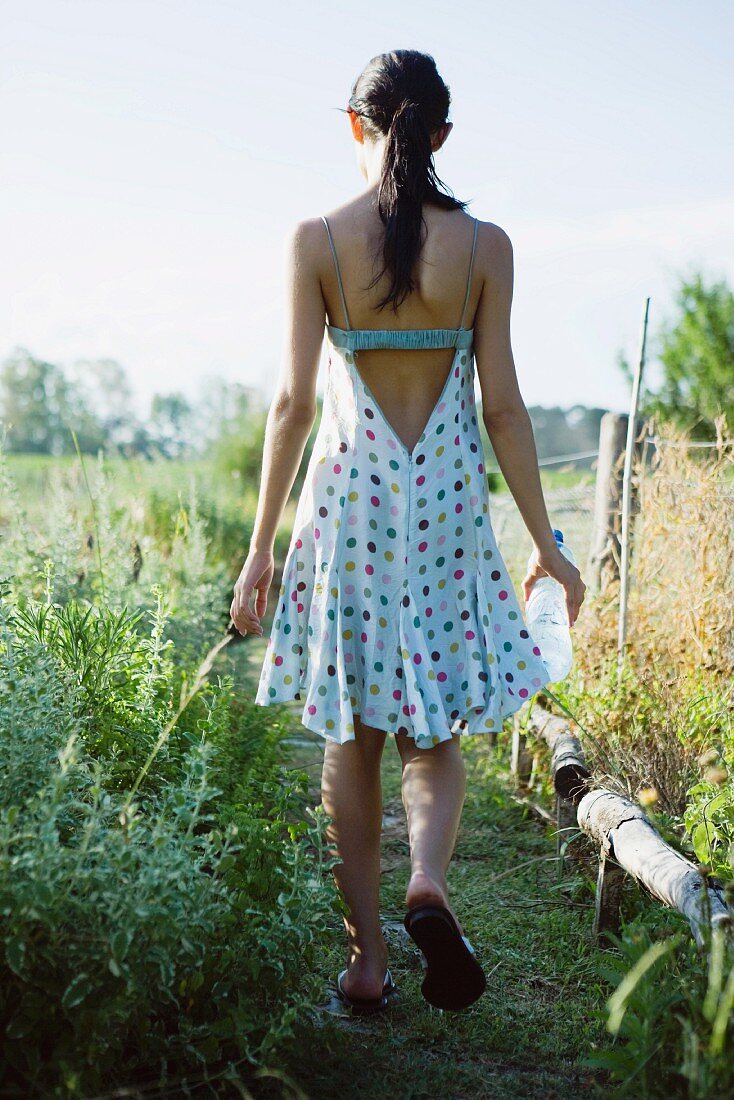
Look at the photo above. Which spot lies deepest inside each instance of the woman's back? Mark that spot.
(406, 382)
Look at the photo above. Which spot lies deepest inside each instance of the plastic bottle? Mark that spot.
(546, 618)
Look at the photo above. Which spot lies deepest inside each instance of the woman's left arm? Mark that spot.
(290, 418)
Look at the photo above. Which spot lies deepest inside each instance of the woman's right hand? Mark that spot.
(554, 564)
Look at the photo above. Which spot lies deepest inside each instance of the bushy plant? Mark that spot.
(670, 1014)
(164, 885)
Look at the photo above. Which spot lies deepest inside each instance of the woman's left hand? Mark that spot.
(256, 575)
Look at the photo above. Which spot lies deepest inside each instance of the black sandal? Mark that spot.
(362, 1006)
(454, 979)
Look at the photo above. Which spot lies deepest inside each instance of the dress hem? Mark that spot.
(461, 726)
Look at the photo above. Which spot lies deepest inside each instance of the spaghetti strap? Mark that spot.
(338, 272)
(471, 268)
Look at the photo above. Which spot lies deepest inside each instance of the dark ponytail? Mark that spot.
(401, 96)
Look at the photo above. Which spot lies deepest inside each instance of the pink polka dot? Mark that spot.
(441, 676)
(503, 594)
(279, 660)
(337, 468)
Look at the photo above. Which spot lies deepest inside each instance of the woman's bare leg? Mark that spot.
(433, 790)
(352, 795)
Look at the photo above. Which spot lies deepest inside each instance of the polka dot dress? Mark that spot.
(395, 603)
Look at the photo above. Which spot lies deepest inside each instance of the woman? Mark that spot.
(396, 612)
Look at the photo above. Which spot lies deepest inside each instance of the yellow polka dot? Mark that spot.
(435, 739)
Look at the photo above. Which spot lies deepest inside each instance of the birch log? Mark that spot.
(624, 833)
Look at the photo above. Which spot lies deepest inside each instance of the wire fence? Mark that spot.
(570, 508)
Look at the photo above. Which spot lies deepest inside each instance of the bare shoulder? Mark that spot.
(494, 250)
(306, 238)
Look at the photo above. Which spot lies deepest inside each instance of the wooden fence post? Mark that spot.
(605, 552)
(603, 563)
(608, 908)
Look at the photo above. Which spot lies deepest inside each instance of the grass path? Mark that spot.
(532, 933)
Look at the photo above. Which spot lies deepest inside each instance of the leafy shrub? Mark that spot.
(163, 883)
(670, 1014)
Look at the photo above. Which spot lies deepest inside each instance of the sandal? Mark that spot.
(454, 979)
(362, 1006)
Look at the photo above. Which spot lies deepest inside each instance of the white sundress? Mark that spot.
(395, 602)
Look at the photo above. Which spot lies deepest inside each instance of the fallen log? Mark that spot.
(628, 839)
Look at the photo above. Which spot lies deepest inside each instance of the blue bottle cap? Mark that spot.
(558, 534)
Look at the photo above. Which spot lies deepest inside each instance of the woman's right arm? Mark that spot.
(506, 417)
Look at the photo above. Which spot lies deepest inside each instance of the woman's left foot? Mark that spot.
(360, 1006)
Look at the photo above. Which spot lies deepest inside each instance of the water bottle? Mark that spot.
(546, 617)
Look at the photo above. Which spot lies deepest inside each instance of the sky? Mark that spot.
(155, 156)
